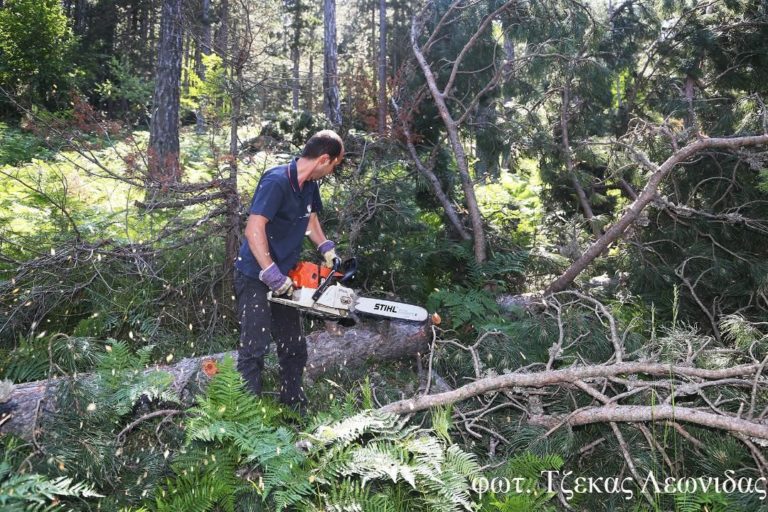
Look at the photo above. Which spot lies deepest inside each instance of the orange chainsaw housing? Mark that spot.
(310, 275)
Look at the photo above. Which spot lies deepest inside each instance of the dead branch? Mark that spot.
(565, 376)
(430, 176)
(645, 413)
(646, 196)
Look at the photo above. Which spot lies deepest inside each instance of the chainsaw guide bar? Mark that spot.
(318, 293)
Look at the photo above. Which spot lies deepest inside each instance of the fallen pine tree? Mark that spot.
(331, 348)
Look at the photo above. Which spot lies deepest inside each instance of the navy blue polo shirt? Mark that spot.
(279, 198)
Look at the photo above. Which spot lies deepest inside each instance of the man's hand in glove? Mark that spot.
(328, 251)
(277, 282)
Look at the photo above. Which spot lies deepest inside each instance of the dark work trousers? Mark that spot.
(260, 321)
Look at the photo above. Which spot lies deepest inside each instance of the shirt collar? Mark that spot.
(293, 175)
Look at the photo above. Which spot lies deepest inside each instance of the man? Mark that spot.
(284, 209)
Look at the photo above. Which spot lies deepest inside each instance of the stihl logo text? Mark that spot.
(384, 307)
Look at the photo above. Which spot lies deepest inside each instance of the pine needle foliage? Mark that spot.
(463, 306)
(125, 466)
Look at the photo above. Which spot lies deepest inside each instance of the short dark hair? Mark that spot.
(325, 142)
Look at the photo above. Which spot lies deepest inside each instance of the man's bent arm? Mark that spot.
(256, 236)
(315, 230)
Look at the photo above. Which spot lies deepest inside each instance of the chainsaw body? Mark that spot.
(318, 292)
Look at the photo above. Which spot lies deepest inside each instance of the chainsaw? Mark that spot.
(318, 291)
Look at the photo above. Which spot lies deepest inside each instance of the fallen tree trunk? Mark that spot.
(327, 349)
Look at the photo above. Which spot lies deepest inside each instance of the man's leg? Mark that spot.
(255, 322)
(291, 353)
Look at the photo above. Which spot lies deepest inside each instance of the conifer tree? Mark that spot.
(163, 150)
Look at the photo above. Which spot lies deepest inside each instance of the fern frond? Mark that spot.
(37, 492)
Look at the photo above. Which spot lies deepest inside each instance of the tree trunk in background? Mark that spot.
(186, 52)
(204, 48)
(222, 35)
(310, 102)
(486, 137)
(382, 106)
(164, 129)
(151, 38)
(143, 32)
(452, 129)
(331, 103)
(295, 53)
(205, 40)
(586, 207)
(80, 15)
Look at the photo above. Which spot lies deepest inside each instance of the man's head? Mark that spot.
(326, 149)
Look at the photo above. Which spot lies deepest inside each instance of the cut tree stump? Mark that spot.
(334, 347)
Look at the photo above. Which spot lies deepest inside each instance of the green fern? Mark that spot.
(533, 497)
(441, 422)
(24, 492)
(229, 433)
(226, 403)
(381, 451)
(701, 502)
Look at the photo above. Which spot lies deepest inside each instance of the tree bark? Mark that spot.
(222, 35)
(478, 232)
(326, 350)
(310, 99)
(332, 102)
(233, 206)
(296, 8)
(204, 48)
(382, 106)
(151, 36)
(643, 413)
(164, 129)
(646, 196)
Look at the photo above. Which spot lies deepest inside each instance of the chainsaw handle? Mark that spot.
(349, 268)
(328, 281)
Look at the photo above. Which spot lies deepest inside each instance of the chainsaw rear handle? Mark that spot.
(349, 268)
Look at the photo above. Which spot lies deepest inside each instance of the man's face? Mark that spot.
(329, 165)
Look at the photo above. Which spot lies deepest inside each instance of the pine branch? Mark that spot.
(646, 196)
